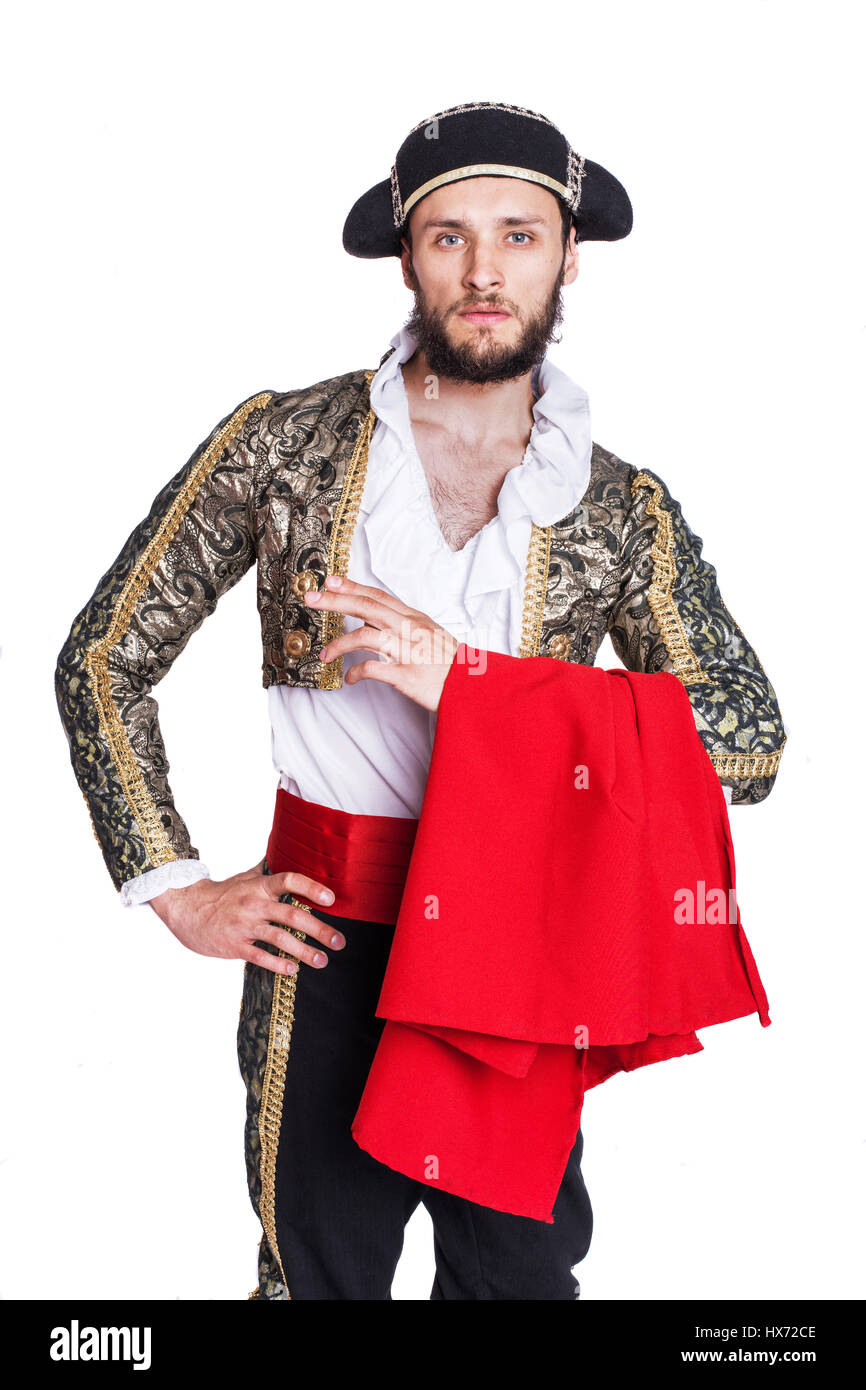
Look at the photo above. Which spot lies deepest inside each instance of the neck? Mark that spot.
(474, 410)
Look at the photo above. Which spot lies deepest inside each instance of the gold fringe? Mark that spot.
(142, 805)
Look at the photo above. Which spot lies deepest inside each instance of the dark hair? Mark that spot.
(566, 221)
(564, 212)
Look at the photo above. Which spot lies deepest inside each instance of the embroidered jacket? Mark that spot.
(277, 484)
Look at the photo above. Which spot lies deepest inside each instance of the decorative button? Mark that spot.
(303, 581)
(297, 643)
(560, 645)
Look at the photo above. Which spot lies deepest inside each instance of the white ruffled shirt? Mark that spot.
(366, 748)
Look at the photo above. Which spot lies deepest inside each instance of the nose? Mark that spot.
(481, 272)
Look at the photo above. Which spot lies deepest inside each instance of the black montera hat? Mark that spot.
(486, 138)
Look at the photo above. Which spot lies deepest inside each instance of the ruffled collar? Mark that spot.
(545, 487)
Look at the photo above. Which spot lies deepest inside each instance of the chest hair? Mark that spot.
(463, 505)
(463, 488)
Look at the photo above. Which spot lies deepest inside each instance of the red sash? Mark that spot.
(364, 859)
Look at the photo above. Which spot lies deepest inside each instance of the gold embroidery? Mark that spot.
(748, 764)
(141, 803)
(273, 1087)
(660, 593)
(330, 674)
(535, 589)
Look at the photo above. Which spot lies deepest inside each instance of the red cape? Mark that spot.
(567, 914)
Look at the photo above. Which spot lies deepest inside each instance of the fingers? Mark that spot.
(278, 964)
(307, 951)
(283, 915)
(373, 638)
(361, 600)
(377, 671)
(338, 584)
(298, 885)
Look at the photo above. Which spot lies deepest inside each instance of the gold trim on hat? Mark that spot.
(467, 171)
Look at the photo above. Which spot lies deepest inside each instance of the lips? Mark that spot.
(484, 315)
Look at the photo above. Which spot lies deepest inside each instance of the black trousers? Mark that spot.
(340, 1214)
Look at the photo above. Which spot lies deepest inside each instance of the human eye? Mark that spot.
(449, 236)
(524, 234)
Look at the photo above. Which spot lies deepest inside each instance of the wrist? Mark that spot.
(172, 903)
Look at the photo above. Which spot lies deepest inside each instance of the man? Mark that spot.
(453, 496)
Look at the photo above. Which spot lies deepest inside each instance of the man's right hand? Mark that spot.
(225, 917)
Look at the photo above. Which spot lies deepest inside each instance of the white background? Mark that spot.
(176, 182)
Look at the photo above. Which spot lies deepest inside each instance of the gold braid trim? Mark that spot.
(537, 562)
(661, 590)
(330, 674)
(273, 1088)
(111, 725)
(748, 764)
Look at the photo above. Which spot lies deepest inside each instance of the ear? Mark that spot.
(571, 257)
(409, 279)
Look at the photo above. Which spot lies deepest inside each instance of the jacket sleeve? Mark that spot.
(670, 616)
(195, 543)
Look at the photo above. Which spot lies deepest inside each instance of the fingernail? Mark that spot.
(319, 959)
(312, 596)
(336, 939)
(326, 896)
(324, 653)
(336, 580)
(290, 969)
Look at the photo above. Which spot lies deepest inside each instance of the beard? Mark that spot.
(482, 360)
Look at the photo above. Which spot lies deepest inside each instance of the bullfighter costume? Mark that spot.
(406, 1071)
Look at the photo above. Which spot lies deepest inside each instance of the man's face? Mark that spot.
(487, 269)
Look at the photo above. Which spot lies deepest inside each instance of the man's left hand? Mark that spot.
(417, 653)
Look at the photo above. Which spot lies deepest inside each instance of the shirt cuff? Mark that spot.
(176, 874)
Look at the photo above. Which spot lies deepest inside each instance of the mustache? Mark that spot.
(484, 304)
